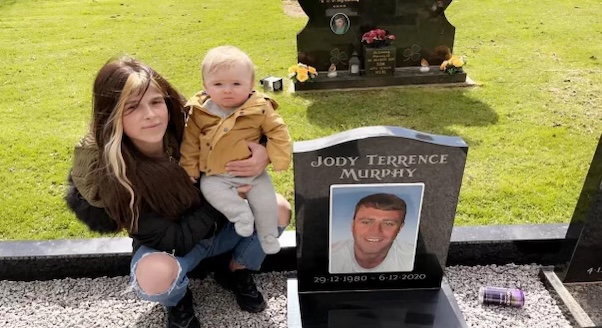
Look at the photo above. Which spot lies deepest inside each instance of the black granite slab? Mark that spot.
(581, 303)
(420, 27)
(584, 235)
(401, 76)
(589, 296)
(402, 308)
(370, 146)
(96, 257)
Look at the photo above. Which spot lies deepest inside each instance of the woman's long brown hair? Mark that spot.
(129, 182)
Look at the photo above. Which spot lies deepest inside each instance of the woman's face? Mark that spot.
(145, 120)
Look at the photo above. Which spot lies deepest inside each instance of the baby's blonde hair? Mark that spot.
(224, 57)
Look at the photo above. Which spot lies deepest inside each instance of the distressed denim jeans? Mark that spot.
(246, 251)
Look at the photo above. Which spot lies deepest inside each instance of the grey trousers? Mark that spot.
(259, 212)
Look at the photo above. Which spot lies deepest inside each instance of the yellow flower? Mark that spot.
(302, 70)
(302, 76)
(457, 61)
(443, 65)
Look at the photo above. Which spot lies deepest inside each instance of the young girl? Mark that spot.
(126, 176)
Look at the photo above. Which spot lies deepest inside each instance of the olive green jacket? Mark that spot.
(85, 158)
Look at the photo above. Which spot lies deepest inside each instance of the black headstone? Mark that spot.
(333, 173)
(584, 236)
(420, 27)
(334, 32)
(333, 176)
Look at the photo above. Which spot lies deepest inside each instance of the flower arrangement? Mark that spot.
(377, 38)
(301, 72)
(453, 65)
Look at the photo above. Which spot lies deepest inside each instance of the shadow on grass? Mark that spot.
(432, 110)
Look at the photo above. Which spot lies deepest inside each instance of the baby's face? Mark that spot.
(229, 88)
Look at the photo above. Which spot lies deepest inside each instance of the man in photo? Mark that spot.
(339, 24)
(377, 220)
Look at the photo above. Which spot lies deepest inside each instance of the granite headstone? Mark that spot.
(420, 27)
(423, 169)
(334, 32)
(584, 235)
(332, 174)
(578, 280)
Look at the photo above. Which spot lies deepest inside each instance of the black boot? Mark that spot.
(182, 315)
(241, 283)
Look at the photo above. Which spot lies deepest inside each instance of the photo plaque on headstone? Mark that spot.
(375, 208)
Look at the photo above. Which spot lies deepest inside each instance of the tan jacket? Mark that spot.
(211, 141)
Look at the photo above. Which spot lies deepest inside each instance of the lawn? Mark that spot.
(532, 124)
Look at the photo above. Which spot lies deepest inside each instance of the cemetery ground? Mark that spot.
(531, 124)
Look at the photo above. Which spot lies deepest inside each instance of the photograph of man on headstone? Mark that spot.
(339, 23)
(374, 227)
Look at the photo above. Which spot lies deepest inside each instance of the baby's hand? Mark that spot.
(193, 179)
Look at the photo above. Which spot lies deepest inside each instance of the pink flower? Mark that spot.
(377, 35)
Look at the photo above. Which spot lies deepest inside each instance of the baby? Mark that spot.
(222, 119)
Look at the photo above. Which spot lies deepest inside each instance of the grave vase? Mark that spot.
(379, 61)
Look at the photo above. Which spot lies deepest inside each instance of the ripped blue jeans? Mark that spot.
(246, 251)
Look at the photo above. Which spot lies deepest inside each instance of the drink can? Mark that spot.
(502, 296)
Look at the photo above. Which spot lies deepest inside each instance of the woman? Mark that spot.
(126, 176)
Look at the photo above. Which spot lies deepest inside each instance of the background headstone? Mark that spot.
(381, 155)
(578, 282)
(420, 27)
(584, 236)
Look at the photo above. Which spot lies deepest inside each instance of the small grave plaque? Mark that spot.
(375, 208)
(379, 61)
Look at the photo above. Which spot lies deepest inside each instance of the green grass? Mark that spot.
(532, 125)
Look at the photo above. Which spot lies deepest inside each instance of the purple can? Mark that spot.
(502, 296)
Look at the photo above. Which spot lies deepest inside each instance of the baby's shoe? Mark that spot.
(244, 225)
(270, 244)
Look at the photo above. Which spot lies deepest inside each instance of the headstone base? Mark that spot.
(402, 76)
(411, 308)
(583, 300)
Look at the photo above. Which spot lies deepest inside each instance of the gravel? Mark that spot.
(540, 309)
(106, 302)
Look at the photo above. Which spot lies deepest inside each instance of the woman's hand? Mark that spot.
(251, 166)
